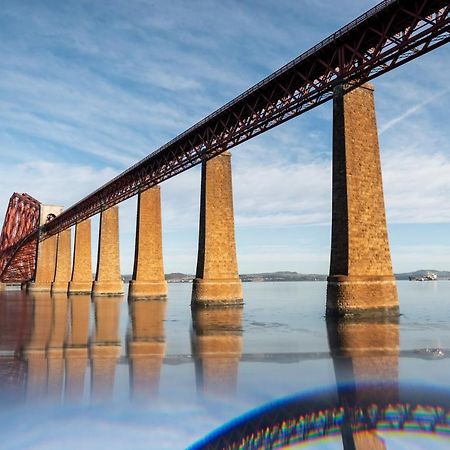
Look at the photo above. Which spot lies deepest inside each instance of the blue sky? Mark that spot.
(89, 88)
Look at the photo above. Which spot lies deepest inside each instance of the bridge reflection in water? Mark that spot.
(58, 349)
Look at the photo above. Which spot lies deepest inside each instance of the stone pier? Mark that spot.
(46, 254)
(148, 273)
(217, 280)
(63, 262)
(361, 280)
(108, 280)
(81, 281)
(146, 346)
(217, 348)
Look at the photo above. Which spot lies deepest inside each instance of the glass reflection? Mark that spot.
(216, 341)
(146, 346)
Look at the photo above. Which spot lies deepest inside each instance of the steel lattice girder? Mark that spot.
(390, 34)
(18, 241)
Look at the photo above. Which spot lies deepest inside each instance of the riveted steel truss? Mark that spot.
(385, 37)
(19, 239)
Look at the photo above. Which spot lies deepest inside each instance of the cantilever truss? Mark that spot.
(18, 241)
(385, 37)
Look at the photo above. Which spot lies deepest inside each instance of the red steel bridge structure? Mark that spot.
(385, 37)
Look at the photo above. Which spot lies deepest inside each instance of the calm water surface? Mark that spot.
(77, 373)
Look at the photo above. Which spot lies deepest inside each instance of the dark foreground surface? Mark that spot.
(80, 373)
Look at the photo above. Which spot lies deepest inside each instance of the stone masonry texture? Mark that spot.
(361, 277)
(63, 262)
(108, 280)
(148, 274)
(217, 278)
(81, 282)
(46, 255)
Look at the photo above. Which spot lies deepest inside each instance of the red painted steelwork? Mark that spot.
(390, 34)
(18, 241)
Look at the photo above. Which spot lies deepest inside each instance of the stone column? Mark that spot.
(46, 254)
(217, 280)
(148, 274)
(217, 348)
(45, 265)
(108, 280)
(105, 348)
(76, 351)
(146, 346)
(361, 278)
(63, 262)
(81, 281)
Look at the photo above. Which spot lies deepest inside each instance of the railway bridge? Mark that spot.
(35, 244)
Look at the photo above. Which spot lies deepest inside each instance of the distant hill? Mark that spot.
(178, 277)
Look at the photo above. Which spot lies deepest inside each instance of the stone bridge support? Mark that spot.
(63, 262)
(361, 278)
(81, 281)
(46, 255)
(148, 273)
(108, 280)
(217, 279)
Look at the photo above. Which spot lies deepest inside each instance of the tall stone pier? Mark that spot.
(217, 280)
(108, 280)
(63, 262)
(361, 278)
(46, 255)
(81, 281)
(148, 273)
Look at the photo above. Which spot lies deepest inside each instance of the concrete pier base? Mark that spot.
(108, 280)
(148, 273)
(217, 280)
(361, 279)
(81, 281)
(63, 262)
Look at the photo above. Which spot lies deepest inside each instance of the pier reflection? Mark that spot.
(216, 341)
(146, 346)
(76, 348)
(365, 353)
(105, 347)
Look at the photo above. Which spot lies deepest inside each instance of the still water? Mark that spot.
(82, 373)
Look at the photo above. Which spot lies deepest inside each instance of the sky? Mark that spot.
(89, 88)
